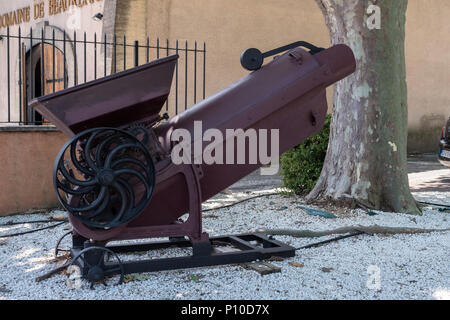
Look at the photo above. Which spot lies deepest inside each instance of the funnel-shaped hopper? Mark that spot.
(134, 95)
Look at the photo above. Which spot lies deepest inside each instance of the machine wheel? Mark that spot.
(104, 177)
(94, 267)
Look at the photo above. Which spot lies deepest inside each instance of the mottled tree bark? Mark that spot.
(366, 159)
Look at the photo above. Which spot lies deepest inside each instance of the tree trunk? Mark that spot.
(366, 159)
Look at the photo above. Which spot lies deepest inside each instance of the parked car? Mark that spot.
(444, 145)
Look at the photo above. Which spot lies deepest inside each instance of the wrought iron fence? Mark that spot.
(44, 62)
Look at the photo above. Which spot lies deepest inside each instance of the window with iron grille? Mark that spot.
(48, 60)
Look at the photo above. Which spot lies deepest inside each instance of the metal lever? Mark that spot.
(252, 59)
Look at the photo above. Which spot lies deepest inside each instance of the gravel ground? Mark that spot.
(408, 266)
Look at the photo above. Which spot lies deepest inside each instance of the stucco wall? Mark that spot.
(27, 159)
(131, 20)
(428, 72)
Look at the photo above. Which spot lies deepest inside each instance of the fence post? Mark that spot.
(176, 82)
(148, 49)
(167, 54)
(54, 61)
(186, 77)
(157, 48)
(115, 54)
(31, 73)
(105, 48)
(195, 73)
(85, 58)
(64, 54)
(43, 84)
(204, 70)
(136, 53)
(9, 75)
(75, 77)
(124, 52)
(95, 55)
(20, 75)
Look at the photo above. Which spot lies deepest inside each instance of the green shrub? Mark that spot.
(301, 166)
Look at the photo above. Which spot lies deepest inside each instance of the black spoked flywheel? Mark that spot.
(104, 177)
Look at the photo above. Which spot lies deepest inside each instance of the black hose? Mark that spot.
(445, 206)
(26, 222)
(240, 201)
(31, 231)
(330, 240)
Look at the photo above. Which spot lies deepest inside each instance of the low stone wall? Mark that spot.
(424, 140)
(26, 164)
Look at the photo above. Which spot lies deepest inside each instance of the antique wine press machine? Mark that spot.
(116, 178)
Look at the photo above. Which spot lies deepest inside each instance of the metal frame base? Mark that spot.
(245, 248)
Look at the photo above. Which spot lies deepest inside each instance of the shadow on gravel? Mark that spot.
(441, 183)
(426, 174)
(423, 163)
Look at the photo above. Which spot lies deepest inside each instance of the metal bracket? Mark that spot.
(252, 59)
(248, 247)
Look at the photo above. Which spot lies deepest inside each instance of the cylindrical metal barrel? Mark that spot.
(288, 94)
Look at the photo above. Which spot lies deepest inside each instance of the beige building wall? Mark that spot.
(131, 21)
(428, 71)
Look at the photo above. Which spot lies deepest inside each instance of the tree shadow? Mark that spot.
(439, 183)
(423, 163)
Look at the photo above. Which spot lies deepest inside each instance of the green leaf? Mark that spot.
(135, 277)
(301, 166)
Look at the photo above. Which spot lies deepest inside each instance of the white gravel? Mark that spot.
(409, 266)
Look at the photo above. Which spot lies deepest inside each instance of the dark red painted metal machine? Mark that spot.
(116, 177)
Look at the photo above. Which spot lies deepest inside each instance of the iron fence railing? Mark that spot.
(33, 69)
